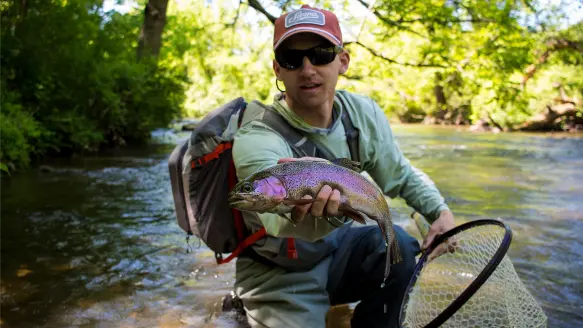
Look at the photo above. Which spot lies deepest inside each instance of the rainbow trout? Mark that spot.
(279, 188)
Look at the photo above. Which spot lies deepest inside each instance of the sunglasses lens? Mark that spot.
(293, 59)
(322, 56)
(290, 59)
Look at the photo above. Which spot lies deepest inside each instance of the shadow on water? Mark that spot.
(92, 241)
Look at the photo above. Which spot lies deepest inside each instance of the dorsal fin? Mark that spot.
(349, 164)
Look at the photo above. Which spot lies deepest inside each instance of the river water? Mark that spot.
(93, 241)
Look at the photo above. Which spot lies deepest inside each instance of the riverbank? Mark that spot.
(575, 126)
(47, 163)
(95, 241)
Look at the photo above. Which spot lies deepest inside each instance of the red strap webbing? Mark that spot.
(246, 243)
(212, 155)
(291, 249)
(239, 225)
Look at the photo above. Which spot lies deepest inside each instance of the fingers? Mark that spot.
(437, 252)
(285, 160)
(447, 246)
(333, 204)
(300, 211)
(321, 200)
(326, 204)
(433, 232)
(293, 159)
(427, 242)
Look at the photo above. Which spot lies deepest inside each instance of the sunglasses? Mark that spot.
(294, 58)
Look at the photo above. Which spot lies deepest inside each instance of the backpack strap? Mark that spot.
(300, 144)
(351, 132)
(250, 240)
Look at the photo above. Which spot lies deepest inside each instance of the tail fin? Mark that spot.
(396, 255)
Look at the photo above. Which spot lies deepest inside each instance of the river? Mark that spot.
(93, 242)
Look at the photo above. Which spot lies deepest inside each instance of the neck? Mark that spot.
(320, 117)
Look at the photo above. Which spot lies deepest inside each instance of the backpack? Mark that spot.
(202, 173)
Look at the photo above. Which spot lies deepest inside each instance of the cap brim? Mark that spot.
(326, 35)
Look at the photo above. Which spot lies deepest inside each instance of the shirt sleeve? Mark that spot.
(257, 147)
(393, 172)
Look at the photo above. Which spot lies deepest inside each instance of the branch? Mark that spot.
(374, 53)
(285, 5)
(390, 22)
(495, 123)
(236, 16)
(444, 22)
(553, 46)
(257, 6)
(23, 9)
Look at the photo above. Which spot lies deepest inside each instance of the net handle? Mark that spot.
(475, 285)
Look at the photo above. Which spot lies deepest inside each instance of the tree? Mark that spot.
(150, 39)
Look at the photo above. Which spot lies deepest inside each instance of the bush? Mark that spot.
(71, 82)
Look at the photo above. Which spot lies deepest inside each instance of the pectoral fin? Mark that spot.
(304, 201)
(353, 214)
(287, 218)
(345, 162)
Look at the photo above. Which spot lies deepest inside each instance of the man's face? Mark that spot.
(310, 86)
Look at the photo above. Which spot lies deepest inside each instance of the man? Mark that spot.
(287, 282)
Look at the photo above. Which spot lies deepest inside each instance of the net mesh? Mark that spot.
(502, 301)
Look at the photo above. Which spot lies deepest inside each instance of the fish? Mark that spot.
(279, 188)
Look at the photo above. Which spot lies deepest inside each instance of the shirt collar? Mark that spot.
(281, 107)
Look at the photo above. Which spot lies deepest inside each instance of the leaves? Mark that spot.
(71, 81)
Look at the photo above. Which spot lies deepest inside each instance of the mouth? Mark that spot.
(235, 198)
(310, 86)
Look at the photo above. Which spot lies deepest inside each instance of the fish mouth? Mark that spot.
(235, 198)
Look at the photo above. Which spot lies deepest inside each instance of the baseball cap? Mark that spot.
(310, 20)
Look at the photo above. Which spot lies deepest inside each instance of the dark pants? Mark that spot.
(357, 272)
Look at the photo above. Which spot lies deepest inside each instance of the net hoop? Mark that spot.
(475, 285)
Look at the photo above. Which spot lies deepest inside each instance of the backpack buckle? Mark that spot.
(218, 257)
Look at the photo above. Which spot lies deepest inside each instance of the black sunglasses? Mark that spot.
(294, 58)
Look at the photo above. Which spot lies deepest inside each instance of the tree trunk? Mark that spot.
(550, 120)
(23, 9)
(553, 45)
(440, 99)
(150, 39)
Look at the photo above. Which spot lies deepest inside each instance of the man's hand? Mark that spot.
(444, 222)
(327, 200)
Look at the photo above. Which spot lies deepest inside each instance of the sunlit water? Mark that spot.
(94, 243)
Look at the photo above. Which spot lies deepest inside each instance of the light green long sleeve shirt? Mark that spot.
(257, 147)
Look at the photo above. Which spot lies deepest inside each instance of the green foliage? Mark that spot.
(482, 51)
(227, 56)
(71, 81)
(19, 134)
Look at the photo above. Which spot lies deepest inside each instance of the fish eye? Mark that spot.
(247, 187)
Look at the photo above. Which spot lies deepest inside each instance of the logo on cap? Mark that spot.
(305, 16)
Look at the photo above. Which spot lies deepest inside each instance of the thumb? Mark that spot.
(431, 234)
(428, 240)
(286, 159)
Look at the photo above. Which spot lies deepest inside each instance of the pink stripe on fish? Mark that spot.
(271, 187)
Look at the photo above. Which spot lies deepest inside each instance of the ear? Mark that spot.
(344, 61)
(276, 69)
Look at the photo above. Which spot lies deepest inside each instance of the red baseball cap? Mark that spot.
(307, 20)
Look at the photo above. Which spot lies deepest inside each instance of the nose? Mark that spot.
(307, 68)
